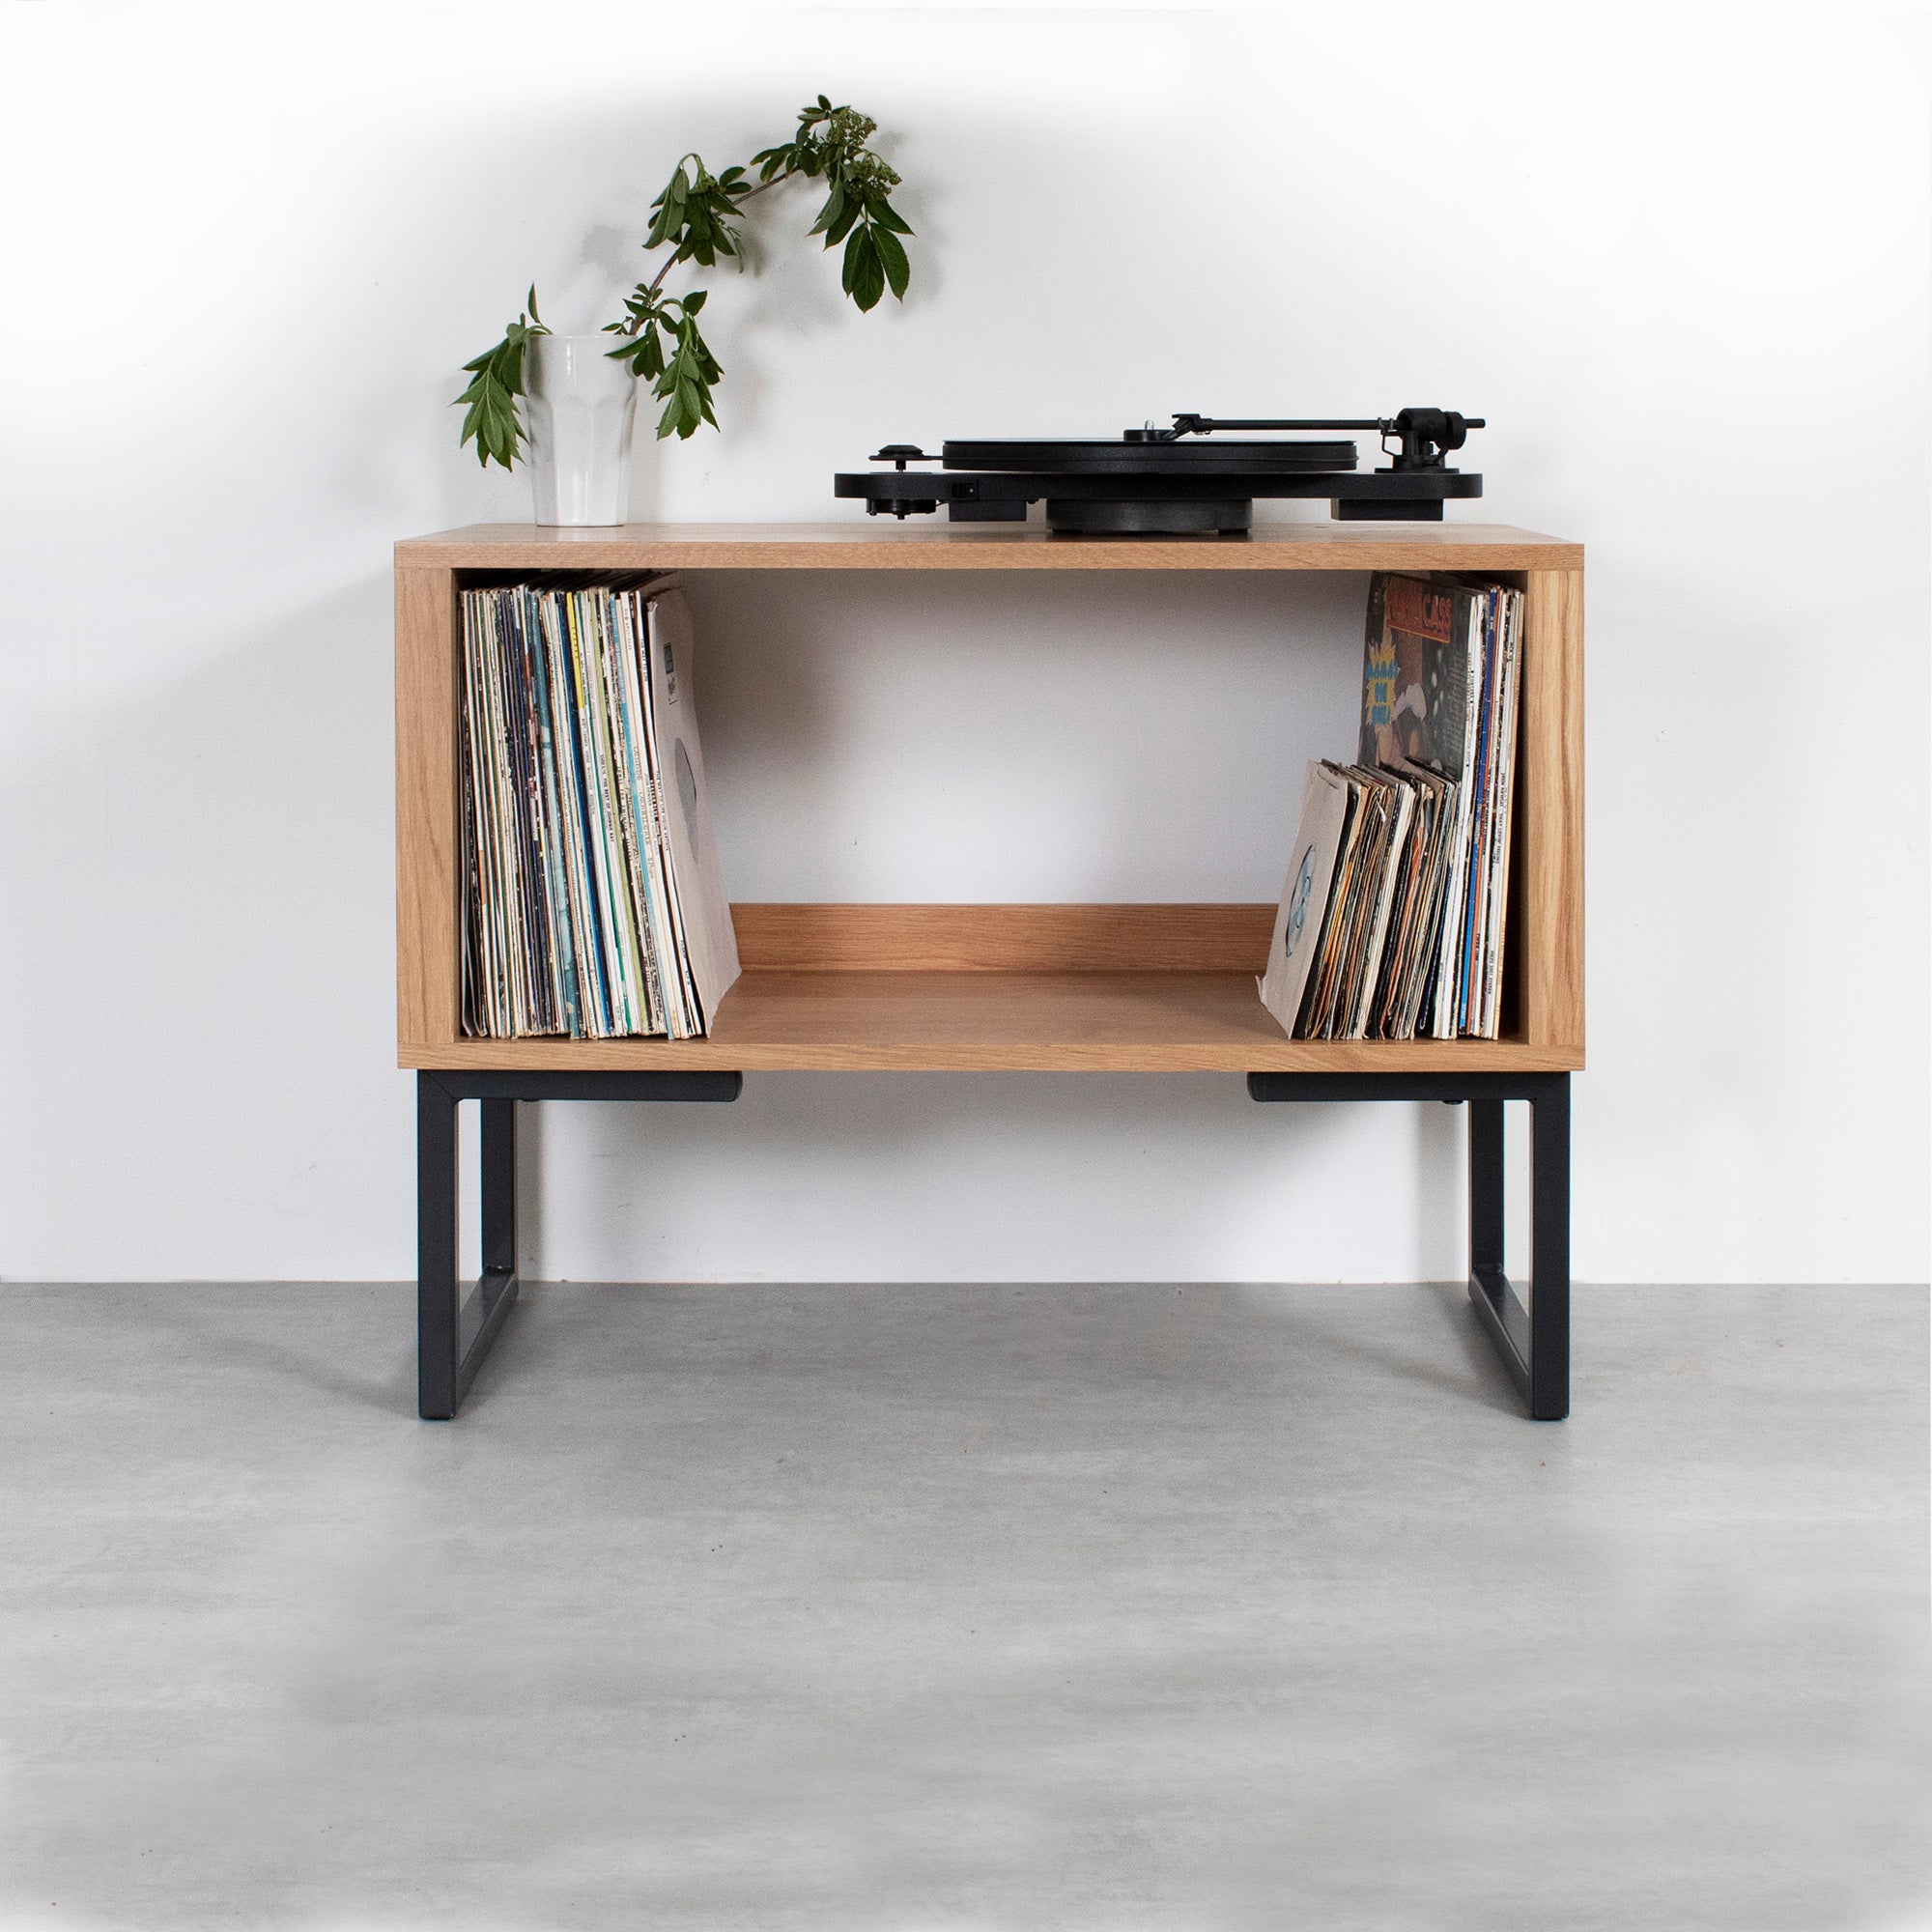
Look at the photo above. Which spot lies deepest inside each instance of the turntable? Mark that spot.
(1165, 482)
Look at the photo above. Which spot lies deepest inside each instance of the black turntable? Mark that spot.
(1155, 482)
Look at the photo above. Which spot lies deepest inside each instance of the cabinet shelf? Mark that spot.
(879, 544)
(1043, 988)
(984, 1022)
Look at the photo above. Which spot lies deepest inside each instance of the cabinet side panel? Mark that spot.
(429, 959)
(1550, 782)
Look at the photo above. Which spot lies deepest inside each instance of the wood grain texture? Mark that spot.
(429, 958)
(1549, 884)
(864, 545)
(1102, 987)
(912, 1021)
(1005, 938)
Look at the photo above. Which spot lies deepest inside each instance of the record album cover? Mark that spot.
(1304, 899)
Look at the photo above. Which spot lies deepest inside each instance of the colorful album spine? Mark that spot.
(549, 812)
(587, 939)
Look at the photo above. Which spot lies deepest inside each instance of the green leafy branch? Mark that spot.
(696, 217)
(669, 349)
(835, 142)
(495, 383)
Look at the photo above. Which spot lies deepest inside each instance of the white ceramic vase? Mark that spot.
(580, 408)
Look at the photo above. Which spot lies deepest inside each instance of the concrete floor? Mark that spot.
(964, 1608)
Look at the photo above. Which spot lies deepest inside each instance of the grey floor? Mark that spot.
(962, 1608)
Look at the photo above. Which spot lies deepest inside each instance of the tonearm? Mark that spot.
(1423, 437)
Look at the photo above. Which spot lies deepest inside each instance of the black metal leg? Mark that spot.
(437, 1305)
(499, 1186)
(454, 1331)
(482, 1313)
(1549, 1250)
(1486, 1185)
(1533, 1341)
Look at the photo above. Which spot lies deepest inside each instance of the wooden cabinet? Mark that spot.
(1124, 988)
(1065, 988)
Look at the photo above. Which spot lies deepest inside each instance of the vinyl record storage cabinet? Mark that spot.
(1049, 988)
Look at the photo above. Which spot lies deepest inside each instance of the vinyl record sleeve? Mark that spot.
(1421, 686)
(704, 913)
(1304, 895)
(1402, 798)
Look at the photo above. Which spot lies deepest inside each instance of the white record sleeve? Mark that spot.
(697, 881)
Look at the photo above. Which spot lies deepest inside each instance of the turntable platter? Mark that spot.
(1075, 456)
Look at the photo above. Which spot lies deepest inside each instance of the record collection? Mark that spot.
(1392, 919)
(596, 907)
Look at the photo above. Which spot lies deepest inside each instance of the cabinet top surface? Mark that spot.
(937, 546)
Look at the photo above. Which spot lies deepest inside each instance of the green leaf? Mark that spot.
(893, 255)
(834, 207)
(887, 216)
(842, 226)
(864, 274)
(491, 418)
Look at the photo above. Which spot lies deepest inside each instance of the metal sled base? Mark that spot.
(454, 1331)
(1534, 1339)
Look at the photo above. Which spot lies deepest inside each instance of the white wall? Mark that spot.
(1681, 269)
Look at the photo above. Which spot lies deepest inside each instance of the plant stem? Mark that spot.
(657, 280)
